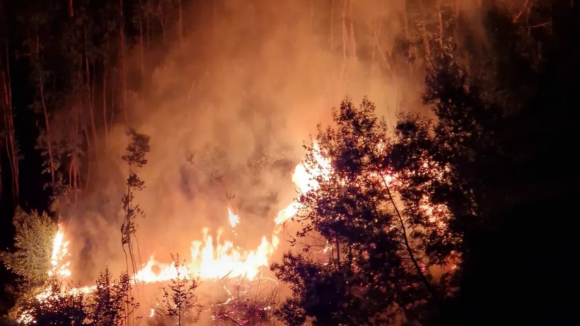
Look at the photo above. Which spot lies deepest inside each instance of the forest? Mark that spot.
(430, 145)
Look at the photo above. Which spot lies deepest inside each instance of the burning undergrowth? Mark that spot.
(229, 265)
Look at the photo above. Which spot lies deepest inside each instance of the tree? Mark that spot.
(375, 272)
(33, 244)
(111, 303)
(135, 158)
(179, 300)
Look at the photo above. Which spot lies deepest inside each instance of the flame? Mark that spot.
(234, 218)
(216, 259)
(59, 253)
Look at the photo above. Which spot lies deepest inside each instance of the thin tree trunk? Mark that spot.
(180, 24)
(332, 26)
(425, 39)
(112, 101)
(142, 52)
(90, 102)
(9, 121)
(105, 122)
(440, 24)
(342, 78)
(353, 39)
(409, 55)
(406, 243)
(45, 112)
(89, 158)
(148, 33)
(122, 71)
(70, 8)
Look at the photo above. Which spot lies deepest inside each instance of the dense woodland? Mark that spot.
(495, 158)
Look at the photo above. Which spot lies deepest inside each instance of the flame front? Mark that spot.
(216, 260)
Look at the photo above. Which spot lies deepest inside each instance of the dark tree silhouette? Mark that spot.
(135, 158)
(375, 272)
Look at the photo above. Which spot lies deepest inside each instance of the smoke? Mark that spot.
(241, 92)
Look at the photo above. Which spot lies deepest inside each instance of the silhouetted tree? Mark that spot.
(58, 307)
(135, 158)
(375, 272)
(179, 298)
(111, 304)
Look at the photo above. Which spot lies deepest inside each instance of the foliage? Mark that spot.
(373, 272)
(111, 303)
(59, 307)
(179, 300)
(135, 158)
(32, 246)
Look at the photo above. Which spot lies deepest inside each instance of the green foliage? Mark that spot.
(32, 246)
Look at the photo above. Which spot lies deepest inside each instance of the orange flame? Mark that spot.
(59, 252)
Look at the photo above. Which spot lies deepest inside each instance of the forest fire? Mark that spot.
(214, 259)
(210, 258)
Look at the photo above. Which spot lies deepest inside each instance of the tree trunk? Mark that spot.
(104, 99)
(123, 75)
(45, 113)
(332, 26)
(440, 24)
(142, 53)
(425, 38)
(180, 24)
(70, 8)
(9, 121)
(91, 103)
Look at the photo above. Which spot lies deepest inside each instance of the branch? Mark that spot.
(517, 17)
(406, 239)
(233, 320)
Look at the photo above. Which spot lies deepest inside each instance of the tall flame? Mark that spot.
(234, 218)
(58, 266)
